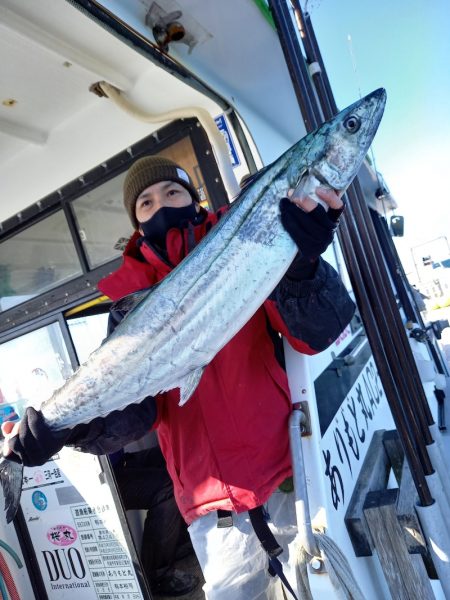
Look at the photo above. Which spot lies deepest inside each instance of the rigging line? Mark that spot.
(372, 153)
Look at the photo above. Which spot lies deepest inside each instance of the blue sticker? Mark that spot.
(224, 130)
(8, 413)
(39, 500)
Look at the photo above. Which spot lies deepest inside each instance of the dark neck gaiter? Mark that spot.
(156, 228)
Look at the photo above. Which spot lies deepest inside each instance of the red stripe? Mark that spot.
(6, 573)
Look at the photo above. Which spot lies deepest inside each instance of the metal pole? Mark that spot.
(383, 366)
(296, 64)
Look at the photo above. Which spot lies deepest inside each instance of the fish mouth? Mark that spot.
(320, 178)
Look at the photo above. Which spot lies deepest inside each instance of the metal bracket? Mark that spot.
(306, 419)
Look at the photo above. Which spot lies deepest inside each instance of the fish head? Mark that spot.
(335, 151)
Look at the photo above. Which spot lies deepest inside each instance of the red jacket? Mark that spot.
(228, 446)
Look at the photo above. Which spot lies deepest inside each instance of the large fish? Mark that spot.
(177, 327)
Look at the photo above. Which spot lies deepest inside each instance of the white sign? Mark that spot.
(346, 440)
(76, 531)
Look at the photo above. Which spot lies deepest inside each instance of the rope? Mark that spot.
(338, 568)
(336, 565)
(302, 574)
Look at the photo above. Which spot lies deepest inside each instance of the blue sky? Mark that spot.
(403, 46)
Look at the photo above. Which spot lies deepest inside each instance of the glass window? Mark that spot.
(32, 367)
(102, 222)
(36, 260)
(87, 334)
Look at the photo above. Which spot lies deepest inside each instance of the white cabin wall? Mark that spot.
(89, 138)
(76, 147)
(231, 62)
(80, 130)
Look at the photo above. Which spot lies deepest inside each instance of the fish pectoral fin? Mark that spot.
(127, 303)
(189, 384)
(11, 479)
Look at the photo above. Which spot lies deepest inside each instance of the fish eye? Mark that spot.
(352, 124)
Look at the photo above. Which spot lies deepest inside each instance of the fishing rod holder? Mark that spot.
(349, 358)
(419, 334)
(437, 327)
(384, 521)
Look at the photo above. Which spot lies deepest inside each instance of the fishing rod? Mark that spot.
(362, 213)
(383, 365)
(432, 508)
(414, 390)
(408, 428)
(393, 263)
(364, 220)
(329, 106)
(411, 309)
(296, 65)
(415, 424)
(401, 284)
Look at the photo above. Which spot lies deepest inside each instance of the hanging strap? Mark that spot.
(258, 519)
(276, 568)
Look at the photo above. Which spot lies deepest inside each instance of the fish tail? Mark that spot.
(11, 479)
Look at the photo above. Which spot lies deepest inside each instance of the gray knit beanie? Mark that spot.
(149, 170)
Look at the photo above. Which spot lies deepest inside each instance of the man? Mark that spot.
(227, 449)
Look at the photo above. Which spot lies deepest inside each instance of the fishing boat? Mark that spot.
(223, 88)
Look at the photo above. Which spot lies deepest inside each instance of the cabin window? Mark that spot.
(102, 223)
(33, 366)
(55, 251)
(37, 259)
(88, 333)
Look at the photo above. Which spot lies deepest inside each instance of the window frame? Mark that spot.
(84, 287)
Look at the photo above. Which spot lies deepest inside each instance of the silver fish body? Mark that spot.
(178, 326)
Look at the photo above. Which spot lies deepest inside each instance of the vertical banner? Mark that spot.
(76, 531)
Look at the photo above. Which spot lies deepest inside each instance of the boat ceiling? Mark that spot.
(53, 129)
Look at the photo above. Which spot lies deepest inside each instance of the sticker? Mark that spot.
(224, 130)
(38, 477)
(61, 535)
(39, 500)
(183, 175)
(8, 413)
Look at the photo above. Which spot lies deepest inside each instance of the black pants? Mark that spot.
(144, 483)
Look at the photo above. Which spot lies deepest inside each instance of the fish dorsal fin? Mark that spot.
(127, 303)
(189, 384)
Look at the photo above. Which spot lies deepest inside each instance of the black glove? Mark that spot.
(36, 443)
(312, 231)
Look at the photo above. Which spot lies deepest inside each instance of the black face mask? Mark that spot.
(156, 228)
